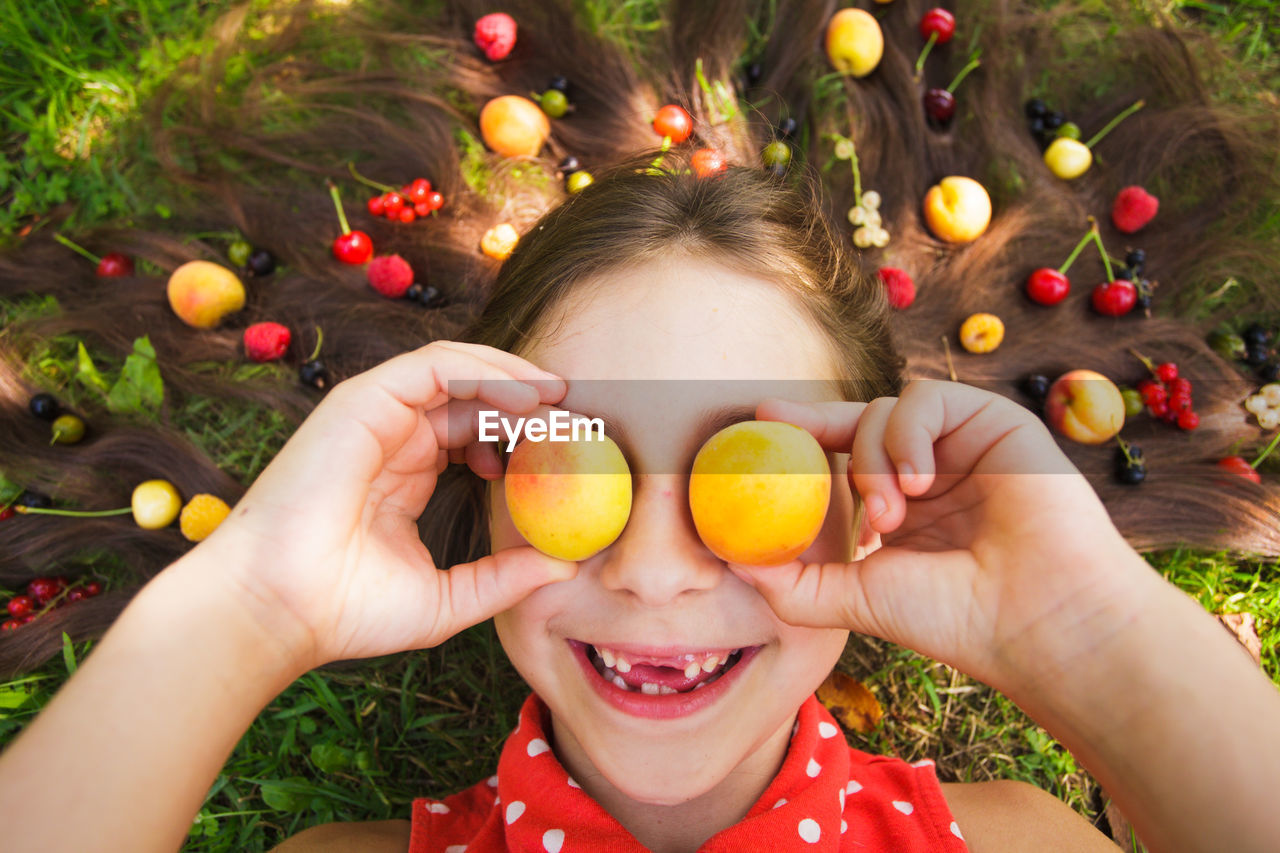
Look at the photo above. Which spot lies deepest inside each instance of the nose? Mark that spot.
(659, 556)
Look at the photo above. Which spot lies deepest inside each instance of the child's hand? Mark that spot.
(324, 548)
(997, 556)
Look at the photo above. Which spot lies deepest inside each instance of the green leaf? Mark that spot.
(286, 795)
(330, 758)
(86, 372)
(68, 654)
(139, 388)
(9, 491)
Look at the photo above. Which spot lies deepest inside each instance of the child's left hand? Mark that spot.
(997, 556)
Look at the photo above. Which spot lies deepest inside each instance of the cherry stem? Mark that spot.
(964, 72)
(1075, 253)
(351, 167)
(71, 513)
(315, 353)
(928, 46)
(1097, 137)
(337, 204)
(78, 249)
(1106, 261)
(1267, 452)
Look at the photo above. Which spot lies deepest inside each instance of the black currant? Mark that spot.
(1036, 108)
(1144, 299)
(1037, 126)
(1269, 372)
(1124, 273)
(569, 165)
(1036, 386)
(787, 128)
(261, 262)
(560, 83)
(1136, 258)
(315, 374)
(414, 293)
(44, 406)
(755, 72)
(431, 297)
(1255, 356)
(34, 500)
(1055, 120)
(1132, 475)
(1256, 335)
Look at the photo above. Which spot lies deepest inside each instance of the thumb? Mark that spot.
(473, 592)
(812, 595)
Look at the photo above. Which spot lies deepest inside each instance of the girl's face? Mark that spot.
(657, 597)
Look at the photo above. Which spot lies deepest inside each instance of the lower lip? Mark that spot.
(659, 707)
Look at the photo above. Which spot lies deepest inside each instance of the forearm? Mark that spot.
(1174, 721)
(125, 753)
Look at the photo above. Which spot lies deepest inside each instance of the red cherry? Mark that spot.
(939, 22)
(1167, 371)
(1048, 286)
(92, 588)
(406, 215)
(1239, 465)
(21, 605)
(939, 107)
(1188, 420)
(435, 201)
(376, 205)
(707, 162)
(392, 204)
(1115, 298)
(418, 191)
(354, 247)
(114, 265)
(673, 121)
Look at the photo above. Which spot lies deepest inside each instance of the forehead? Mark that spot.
(673, 345)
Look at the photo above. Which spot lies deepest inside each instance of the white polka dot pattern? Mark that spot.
(456, 848)
(827, 730)
(955, 830)
(903, 806)
(809, 830)
(514, 810)
(437, 808)
(813, 769)
(853, 787)
(780, 803)
(537, 746)
(553, 840)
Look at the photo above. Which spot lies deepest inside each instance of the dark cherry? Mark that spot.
(44, 406)
(939, 107)
(315, 374)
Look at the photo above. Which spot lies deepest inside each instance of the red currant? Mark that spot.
(1188, 420)
(76, 594)
(9, 625)
(1152, 393)
(674, 122)
(114, 264)
(21, 605)
(7, 513)
(375, 205)
(707, 162)
(406, 215)
(421, 208)
(44, 589)
(92, 588)
(392, 203)
(1180, 385)
(435, 201)
(1158, 410)
(418, 191)
(1167, 371)
(1239, 465)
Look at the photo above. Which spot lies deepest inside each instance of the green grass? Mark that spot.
(358, 742)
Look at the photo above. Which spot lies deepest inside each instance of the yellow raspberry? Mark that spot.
(981, 333)
(499, 241)
(201, 516)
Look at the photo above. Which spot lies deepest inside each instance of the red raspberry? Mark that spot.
(495, 35)
(21, 605)
(266, 341)
(1167, 371)
(898, 286)
(390, 275)
(1188, 420)
(1133, 208)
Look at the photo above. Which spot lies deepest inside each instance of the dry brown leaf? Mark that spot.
(850, 702)
(1243, 628)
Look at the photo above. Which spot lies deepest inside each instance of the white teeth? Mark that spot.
(692, 670)
(618, 682)
(708, 665)
(622, 665)
(649, 688)
(699, 686)
(664, 690)
(607, 657)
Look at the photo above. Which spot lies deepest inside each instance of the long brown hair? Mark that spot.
(399, 96)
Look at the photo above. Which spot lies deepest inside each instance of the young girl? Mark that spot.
(658, 302)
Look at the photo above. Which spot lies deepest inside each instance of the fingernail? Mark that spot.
(876, 506)
(906, 474)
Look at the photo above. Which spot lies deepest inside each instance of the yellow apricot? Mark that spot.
(514, 126)
(201, 293)
(759, 492)
(155, 504)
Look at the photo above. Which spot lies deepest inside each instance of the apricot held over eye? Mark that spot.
(759, 492)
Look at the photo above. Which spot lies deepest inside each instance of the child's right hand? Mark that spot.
(997, 555)
(324, 547)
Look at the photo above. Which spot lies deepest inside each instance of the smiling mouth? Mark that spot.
(661, 677)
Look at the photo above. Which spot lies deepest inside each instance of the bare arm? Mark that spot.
(137, 736)
(1012, 817)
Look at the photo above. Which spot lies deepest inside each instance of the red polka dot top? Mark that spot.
(826, 797)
